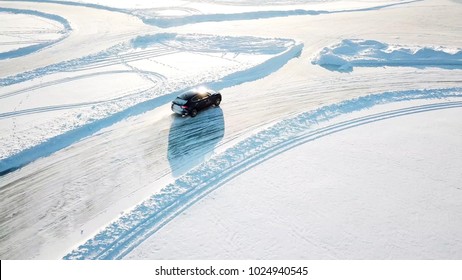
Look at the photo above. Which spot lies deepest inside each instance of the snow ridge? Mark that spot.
(80, 4)
(33, 48)
(284, 50)
(370, 53)
(166, 22)
(124, 234)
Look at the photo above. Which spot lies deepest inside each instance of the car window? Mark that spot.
(180, 101)
(195, 98)
(203, 96)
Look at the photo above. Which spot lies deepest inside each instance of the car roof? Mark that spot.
(188, 94)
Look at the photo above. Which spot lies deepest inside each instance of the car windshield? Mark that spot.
(180, 101)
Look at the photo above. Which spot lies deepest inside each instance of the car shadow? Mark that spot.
(192, 140)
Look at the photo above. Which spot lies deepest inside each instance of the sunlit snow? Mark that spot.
(337, 137)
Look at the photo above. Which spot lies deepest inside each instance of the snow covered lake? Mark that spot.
(339, 134)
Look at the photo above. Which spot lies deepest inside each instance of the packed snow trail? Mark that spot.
(275, 53)
(122, 236)
(63, 199)
(168, 22)
(86, 36)
(25, 50)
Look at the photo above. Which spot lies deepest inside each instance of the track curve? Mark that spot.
(122, 236)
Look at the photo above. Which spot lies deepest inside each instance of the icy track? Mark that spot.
(231, 61)
(93, 162)
(132, 229)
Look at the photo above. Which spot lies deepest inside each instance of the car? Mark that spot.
(191, 102)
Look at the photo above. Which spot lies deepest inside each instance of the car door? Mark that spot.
(206, 100)
(202, 101)
(196, 102)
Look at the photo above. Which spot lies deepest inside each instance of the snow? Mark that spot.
(371, 53)
(151, 66)
(381, 189)
(92, 161)
(148, 217)
(42, 30)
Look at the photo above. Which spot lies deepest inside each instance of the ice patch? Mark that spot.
(369, 53)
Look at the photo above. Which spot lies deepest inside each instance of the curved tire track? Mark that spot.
(167, 22)
(36, 47)
(51, 145)
(122, 236)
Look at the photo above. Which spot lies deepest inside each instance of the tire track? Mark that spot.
(167, 22)
(45, 109)
(65, 30)
(102, 59)
(127, 57)
(61, 81)
(45, 148)
(122, 236)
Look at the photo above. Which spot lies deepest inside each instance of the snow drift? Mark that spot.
(370, 53)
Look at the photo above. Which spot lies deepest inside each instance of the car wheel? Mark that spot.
(217, 102)
(193, 113)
